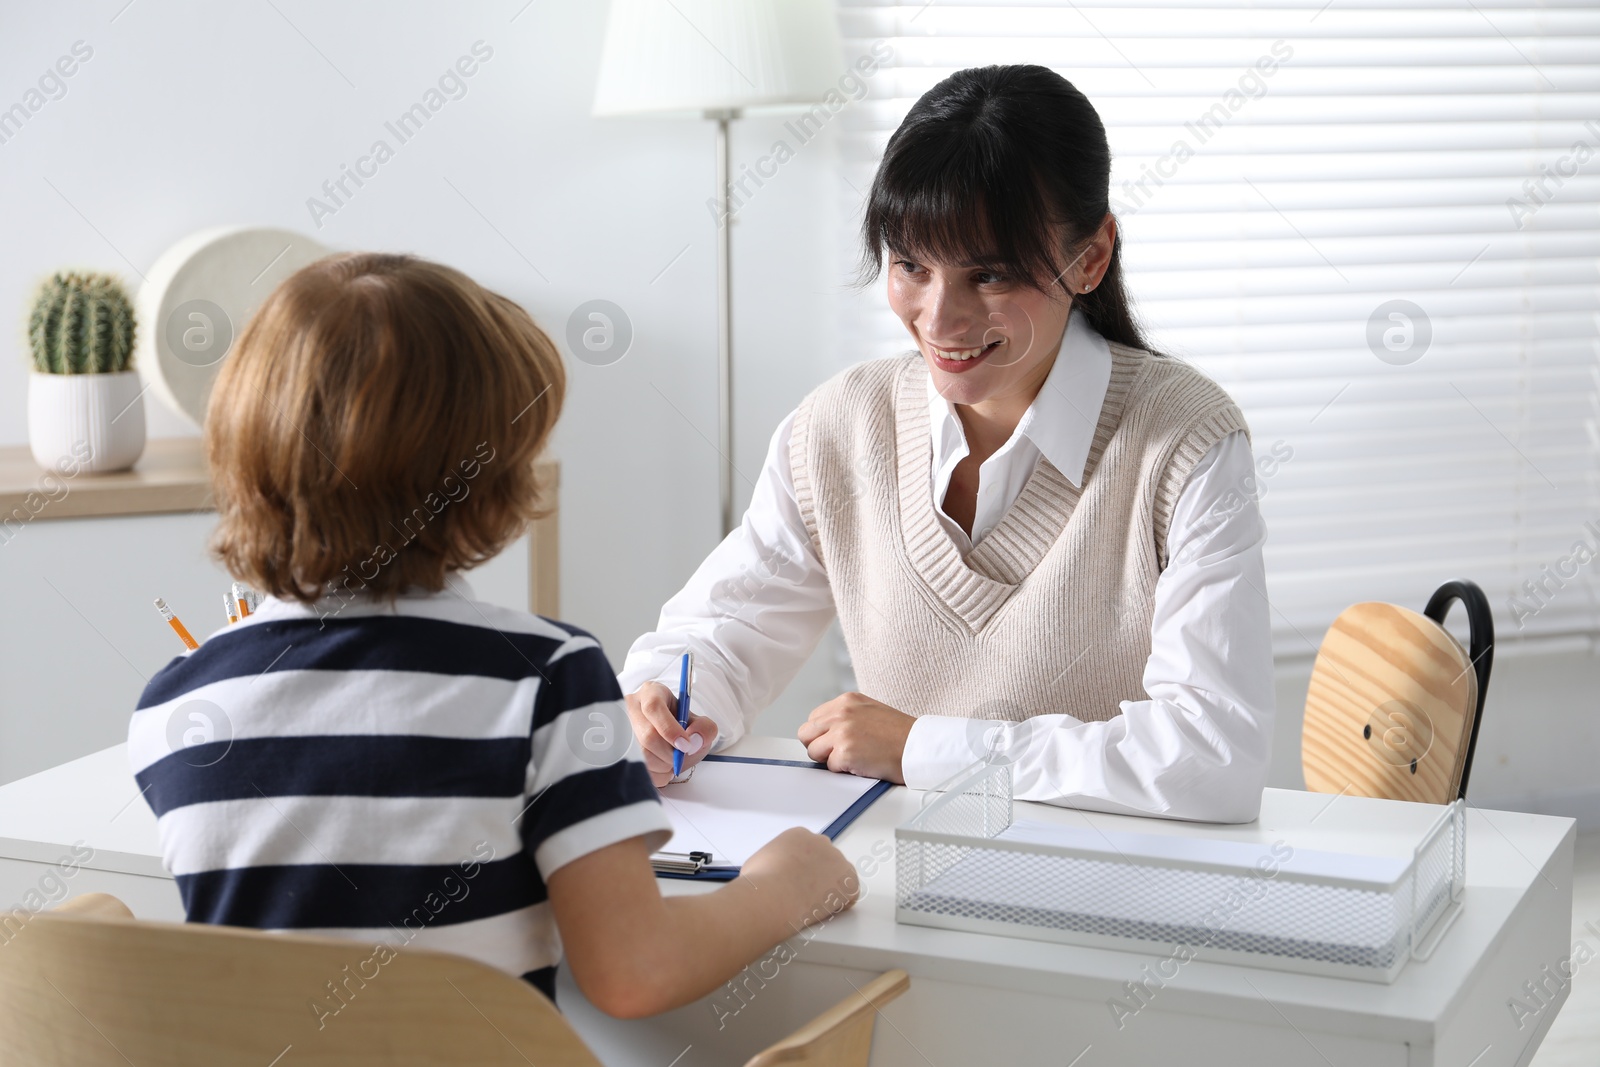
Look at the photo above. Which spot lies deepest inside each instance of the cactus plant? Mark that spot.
(81, 324)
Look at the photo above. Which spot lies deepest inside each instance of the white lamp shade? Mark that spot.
(691, 56)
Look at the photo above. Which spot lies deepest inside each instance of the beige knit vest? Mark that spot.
(1051, 611)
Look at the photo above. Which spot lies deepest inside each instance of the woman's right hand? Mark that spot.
(805, 875)
(653, 714)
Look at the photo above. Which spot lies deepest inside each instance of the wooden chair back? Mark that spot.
(87, 985)
(82, 988)
(1395, 701)
(840, 1036)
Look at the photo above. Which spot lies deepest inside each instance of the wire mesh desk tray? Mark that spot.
(962, 863)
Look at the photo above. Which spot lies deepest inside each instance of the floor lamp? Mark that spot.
(716, 59)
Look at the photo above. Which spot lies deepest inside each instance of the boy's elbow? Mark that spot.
(625, 997)
(627, 1003)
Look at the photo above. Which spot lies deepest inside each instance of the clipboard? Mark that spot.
(745, 802)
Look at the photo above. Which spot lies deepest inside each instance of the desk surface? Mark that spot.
(95, 800)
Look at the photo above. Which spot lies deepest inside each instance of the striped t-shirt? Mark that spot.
(406, 774)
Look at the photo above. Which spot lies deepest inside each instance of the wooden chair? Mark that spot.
(87, 985)
(1395, 702)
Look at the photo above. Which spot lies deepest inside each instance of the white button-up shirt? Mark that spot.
(1197, 748)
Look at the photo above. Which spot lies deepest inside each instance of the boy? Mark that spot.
(375, 754)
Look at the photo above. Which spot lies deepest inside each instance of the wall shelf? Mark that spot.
(171, 478)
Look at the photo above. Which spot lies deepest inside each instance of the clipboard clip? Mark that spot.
(680, 862)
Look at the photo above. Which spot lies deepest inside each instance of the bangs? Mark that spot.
(1006, 168)
(955, 194)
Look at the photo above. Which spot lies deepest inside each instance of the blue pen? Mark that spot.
(685, 673)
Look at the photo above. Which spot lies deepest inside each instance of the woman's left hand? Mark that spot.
(858, 735)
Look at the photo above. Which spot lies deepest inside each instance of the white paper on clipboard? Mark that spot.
(730, 808)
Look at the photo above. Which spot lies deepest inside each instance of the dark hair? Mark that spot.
(987, 166)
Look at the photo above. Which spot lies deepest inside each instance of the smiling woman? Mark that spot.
(1019, 525)
(984, 173)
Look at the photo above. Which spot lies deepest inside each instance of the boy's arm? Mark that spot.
(636, 953)
(590, 827)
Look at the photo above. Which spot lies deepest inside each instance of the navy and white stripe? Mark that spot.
(405, 773)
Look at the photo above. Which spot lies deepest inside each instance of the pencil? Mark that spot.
(228, 609)
(177, 627)
(240, 596)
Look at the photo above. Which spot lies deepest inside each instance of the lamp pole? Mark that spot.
(722, 117)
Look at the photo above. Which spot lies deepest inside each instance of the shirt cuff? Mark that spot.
(639, 669)
(938, 747)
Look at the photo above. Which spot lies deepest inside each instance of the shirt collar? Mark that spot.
(357, 602)
(1062, 419)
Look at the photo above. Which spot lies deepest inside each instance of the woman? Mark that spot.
(1039, 536)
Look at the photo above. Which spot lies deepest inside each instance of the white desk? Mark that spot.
(980, 999)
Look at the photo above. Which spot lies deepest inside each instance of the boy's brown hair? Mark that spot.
(376, 428)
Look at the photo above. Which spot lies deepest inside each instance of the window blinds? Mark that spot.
(1379, 229)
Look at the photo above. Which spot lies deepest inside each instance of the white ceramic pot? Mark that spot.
(95, 419)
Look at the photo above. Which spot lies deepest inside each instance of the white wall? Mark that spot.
(190, 115)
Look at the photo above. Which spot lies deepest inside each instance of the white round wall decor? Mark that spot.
(196, 299)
